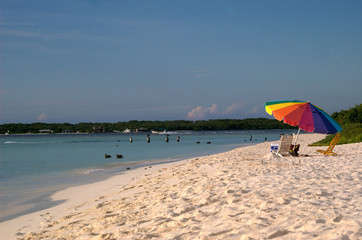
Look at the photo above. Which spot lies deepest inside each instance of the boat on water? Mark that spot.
(166, 132)
(159, 132)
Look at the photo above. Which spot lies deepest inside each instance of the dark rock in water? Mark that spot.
(198, 142)
(119, 156)
(128, 168)
(107, 156)
(208, 143)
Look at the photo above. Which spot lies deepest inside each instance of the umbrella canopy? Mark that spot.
(305, 115)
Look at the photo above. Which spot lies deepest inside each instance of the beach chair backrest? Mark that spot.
(331, 146)
(333, 143)
(285, 142)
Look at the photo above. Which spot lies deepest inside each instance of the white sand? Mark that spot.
(230, 195)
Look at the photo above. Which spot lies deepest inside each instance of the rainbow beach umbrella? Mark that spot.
(305, 115)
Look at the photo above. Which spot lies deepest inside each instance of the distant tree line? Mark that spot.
(202, 125)
(352, 115)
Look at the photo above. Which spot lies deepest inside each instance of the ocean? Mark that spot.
(33, 167)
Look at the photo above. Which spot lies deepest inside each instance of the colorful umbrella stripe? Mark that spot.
(305, 115)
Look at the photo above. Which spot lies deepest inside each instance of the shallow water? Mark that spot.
(32, 167)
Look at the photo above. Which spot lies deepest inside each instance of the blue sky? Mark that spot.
(109, 61)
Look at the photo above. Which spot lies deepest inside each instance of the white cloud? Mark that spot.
(235, 107)
(201, 112)
(42, 117)
(238, 109)
(213, 108)
(196, 113)
(230, 109)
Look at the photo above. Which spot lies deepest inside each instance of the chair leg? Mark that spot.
(332, 154)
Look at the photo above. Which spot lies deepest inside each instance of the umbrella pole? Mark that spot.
(295, 143)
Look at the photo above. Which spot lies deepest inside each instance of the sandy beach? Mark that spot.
(245, 193)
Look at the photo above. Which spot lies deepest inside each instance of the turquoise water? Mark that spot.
(32, 167)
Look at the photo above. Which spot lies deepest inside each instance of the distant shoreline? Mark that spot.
(26, 134)
(145, 126)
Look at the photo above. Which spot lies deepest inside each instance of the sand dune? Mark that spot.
(231, 195)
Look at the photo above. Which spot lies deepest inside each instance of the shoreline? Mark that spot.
(76, 195)
(229, 195)
(32, 205)
(44, 201)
